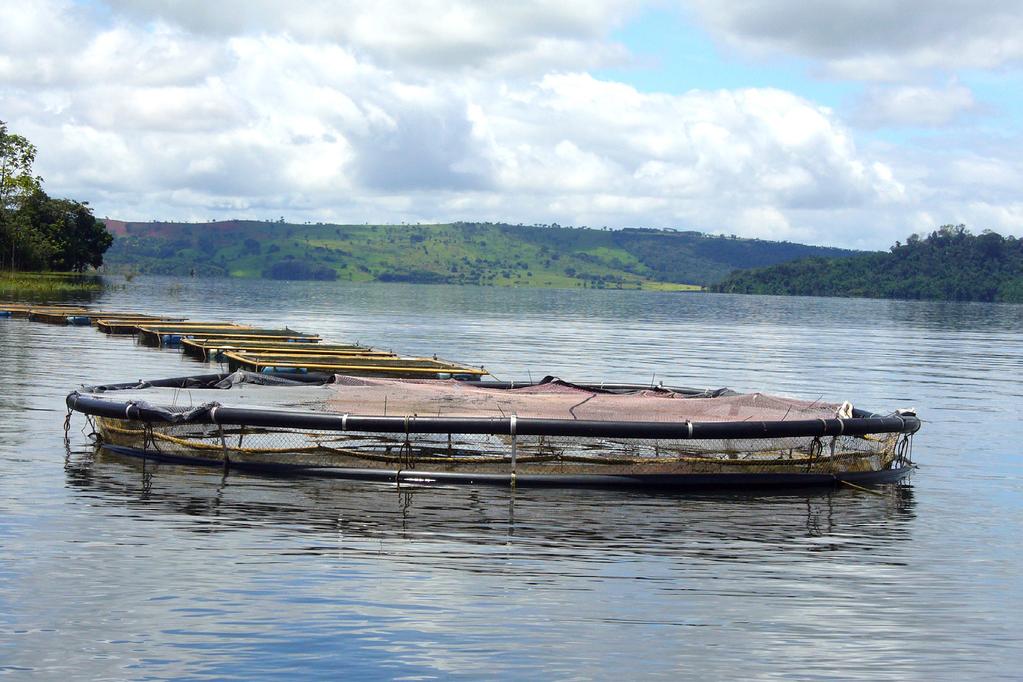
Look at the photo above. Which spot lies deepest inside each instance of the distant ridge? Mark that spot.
(949, 264)
(458, 253)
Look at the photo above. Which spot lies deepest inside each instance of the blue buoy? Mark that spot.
(284, 370)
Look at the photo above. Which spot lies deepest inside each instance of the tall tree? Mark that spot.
(37, 231)
(80, 239)
(64, 235)
(17, 155)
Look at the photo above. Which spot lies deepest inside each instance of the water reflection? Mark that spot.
(597, 524)
(112, 568)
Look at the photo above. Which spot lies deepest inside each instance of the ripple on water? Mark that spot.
(114, 568)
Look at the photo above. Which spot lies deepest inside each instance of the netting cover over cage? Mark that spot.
(561, 400)
(549, 399)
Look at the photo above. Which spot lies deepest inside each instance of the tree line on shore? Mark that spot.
(949, 264)
(37, 231)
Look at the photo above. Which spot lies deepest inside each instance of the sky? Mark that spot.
(850, 123)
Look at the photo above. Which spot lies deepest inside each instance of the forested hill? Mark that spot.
(949, 264)
(459, 253)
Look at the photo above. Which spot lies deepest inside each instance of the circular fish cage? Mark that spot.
(547, 433)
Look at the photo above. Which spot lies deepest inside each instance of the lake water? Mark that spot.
(112, 569)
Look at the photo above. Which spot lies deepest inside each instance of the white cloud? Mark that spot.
(341, 112)
(433, 34)
(206, 107)
(914, 106)
(874, 40)
(58, 44)
(947, 185)
(745, 148)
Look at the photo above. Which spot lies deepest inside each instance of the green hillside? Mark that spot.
(949, 264)
(459, 253)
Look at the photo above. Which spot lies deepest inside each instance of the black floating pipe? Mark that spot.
(216, 414)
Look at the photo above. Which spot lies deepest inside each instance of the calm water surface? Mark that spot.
(111, 569)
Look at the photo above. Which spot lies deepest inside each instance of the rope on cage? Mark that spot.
(405, 453)
(95, 434)
(814, 452)
(902, 450)
(223, 446)
(67, 438)
(67, 428)
(514, 446)
(149, 437)
(223, 440)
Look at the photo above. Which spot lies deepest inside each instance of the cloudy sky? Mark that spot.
(845, 122)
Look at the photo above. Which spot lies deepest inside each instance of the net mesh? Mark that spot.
(557, 400)
(493, 453)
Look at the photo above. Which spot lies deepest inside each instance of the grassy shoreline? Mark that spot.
(49, 284)
(670, 286)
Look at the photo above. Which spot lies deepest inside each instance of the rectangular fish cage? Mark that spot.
(360, 365)
(61, 316)
(174, 337)
(131, 326)
(83, 316)
(549, 433)
(212, 349)
(163, 334)
(127, 324)
(22, 310)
